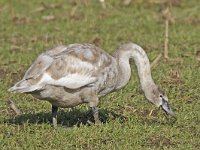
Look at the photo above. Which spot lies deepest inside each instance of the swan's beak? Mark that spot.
(165, 106)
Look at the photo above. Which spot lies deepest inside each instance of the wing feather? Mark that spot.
(38, 67)
(69, 72)
(71, 66)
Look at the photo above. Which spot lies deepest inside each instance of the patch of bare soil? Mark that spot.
(159, 141)
(174, 78)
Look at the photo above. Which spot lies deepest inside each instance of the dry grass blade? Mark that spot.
(166, 15)
(14, 107)
(74, 9)
(166, 39)
(155, 62)
(127, 2)
(48, 18)
(39, 9)
(103, 4)
(51, 6)
(157, 1)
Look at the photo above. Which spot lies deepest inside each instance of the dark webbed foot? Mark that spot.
(54, 115)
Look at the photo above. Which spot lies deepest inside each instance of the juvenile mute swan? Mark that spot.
(67, 76)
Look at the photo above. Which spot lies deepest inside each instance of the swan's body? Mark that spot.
(67, 76)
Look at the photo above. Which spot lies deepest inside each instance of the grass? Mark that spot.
(30, 27)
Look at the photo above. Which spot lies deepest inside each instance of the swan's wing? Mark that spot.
(43, 62)
(70, 66)
(70, 72)
(33, 75)
(79, 65)
(38, 67)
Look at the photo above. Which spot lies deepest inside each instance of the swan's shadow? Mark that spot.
(66, 119)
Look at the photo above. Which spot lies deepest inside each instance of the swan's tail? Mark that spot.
(24, 86)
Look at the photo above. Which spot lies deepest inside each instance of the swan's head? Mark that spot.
(159, 98)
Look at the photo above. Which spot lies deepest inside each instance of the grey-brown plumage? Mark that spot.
(67, 76)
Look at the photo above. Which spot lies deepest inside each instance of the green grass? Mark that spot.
(24, 34)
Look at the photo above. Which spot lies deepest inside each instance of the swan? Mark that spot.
(67, 76)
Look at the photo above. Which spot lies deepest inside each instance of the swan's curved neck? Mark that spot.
(124, 72)
(123, 55)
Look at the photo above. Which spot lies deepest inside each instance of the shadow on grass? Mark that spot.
(66, 119)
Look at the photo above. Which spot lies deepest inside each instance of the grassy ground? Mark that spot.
(30, 27)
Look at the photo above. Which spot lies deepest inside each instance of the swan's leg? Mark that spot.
(93, 102)
(54, 115)
(95, 113)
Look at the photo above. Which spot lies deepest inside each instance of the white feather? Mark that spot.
(82, 77)
(71, 81)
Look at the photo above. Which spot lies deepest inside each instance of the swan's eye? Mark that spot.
(161, 96)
